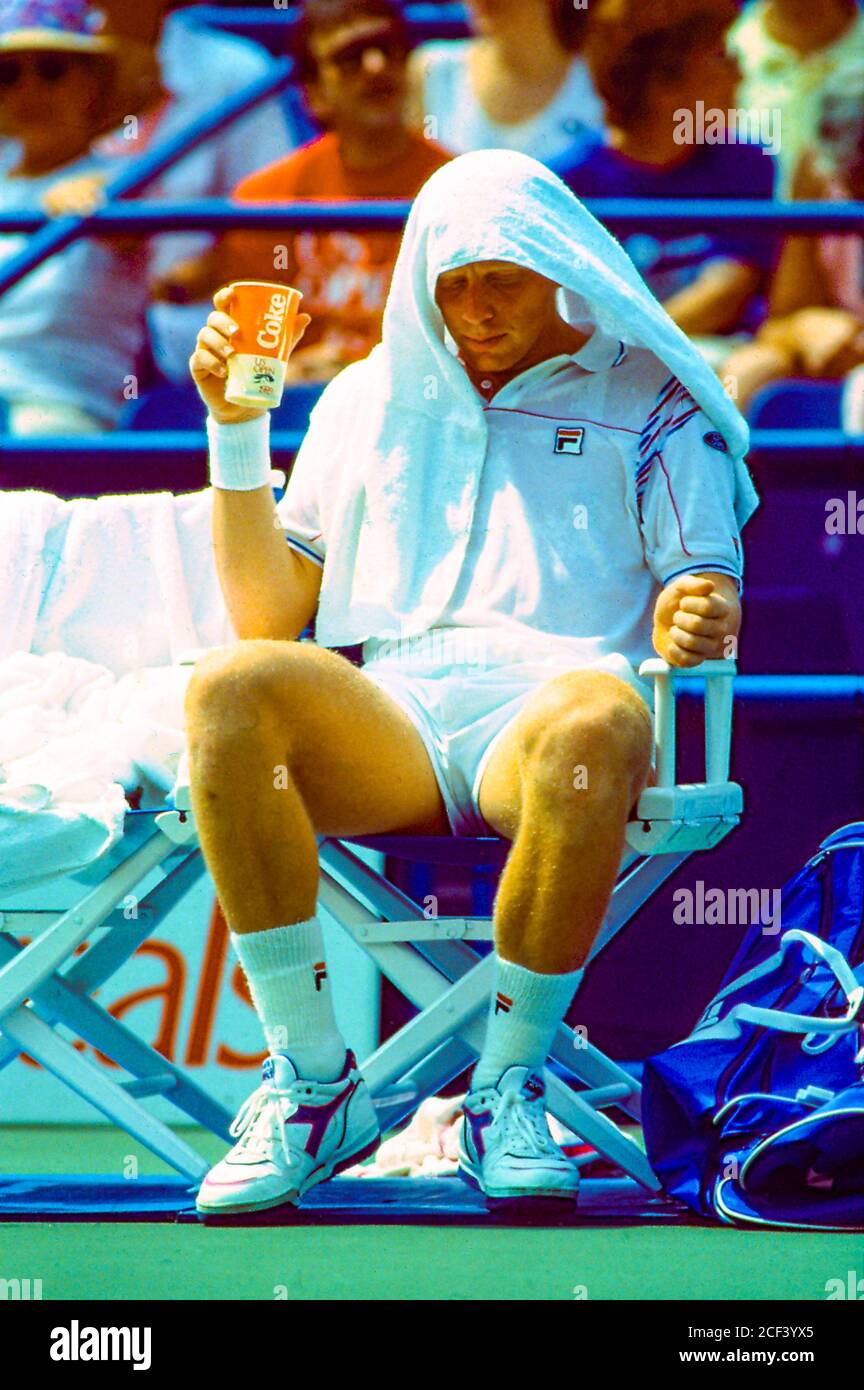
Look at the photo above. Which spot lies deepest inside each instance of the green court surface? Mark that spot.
(136, 1260)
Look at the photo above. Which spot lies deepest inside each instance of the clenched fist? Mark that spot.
(695, 618)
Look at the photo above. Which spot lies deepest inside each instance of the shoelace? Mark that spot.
(253, 1124)
(522, 1125)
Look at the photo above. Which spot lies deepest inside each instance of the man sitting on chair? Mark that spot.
(528, 483)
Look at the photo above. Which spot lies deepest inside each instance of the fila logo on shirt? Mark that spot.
(320, 969)
(568, 441)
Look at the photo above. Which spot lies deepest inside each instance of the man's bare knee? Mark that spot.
(234, 688)
(600, 744)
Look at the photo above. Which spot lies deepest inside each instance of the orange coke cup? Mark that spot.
(265, 314)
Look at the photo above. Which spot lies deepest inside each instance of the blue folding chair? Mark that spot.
(46, 985)
(432, 962)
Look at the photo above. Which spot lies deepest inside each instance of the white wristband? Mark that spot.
(240, 454)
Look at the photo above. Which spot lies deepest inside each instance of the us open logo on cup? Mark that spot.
(265, 314)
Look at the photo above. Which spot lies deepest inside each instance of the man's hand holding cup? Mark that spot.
(258, 325)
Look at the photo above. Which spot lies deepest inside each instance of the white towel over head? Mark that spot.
(400, 437)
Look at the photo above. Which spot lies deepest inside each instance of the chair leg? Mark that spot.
(445, 1011)
(590, 1123)
(86, 973)
(595, 1070)
(19, 977)
(63, 998)
(428, 1078)
(61, 1059)
(599, 1131)
(639, 882)
(54, 1002)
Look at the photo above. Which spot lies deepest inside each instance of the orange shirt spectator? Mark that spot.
(344, 275)
(351, 64)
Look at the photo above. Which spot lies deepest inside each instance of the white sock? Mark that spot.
(525, 1011)
(287, 976)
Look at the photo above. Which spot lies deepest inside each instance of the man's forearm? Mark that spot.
(255, 566)
(265, 584)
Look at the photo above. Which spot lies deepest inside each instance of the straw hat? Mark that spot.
(72, 26)
(54, 26)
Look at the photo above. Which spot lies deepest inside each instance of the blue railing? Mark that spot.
(48, 236)
(803, 454)
(429, 21)
(316, 214)
(839, 691)
(218, 214)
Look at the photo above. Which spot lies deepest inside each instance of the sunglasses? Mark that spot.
(350, 59)
(49, 67)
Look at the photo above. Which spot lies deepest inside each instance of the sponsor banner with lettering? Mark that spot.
(183, 993)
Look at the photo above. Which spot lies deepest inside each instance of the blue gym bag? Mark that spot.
(757, 1118)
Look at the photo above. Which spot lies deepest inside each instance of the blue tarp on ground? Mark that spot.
(343, 1201)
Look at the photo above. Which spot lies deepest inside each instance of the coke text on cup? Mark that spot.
(265, 314)
(270, 336)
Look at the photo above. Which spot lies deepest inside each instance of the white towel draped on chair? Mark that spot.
(26, 520)
(98, 599)
(126, 581)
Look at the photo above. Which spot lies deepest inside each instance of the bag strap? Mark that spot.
(786, 1022)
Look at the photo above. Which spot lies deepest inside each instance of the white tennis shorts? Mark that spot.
(462, 707)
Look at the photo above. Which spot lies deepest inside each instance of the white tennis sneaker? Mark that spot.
(505, 1147)
(293, 1134)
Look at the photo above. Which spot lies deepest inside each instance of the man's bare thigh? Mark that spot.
(355, 756)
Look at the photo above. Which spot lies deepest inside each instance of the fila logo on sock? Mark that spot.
(320, 969)
(503, 1003)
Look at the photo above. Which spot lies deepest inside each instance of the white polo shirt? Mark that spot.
(602, 481)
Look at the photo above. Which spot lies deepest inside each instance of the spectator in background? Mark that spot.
(815, 326)
(839, 177)
(72, 330)
(351, 57)
(787, 51)
(195, 68)
(519, 85)
(650, 65)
